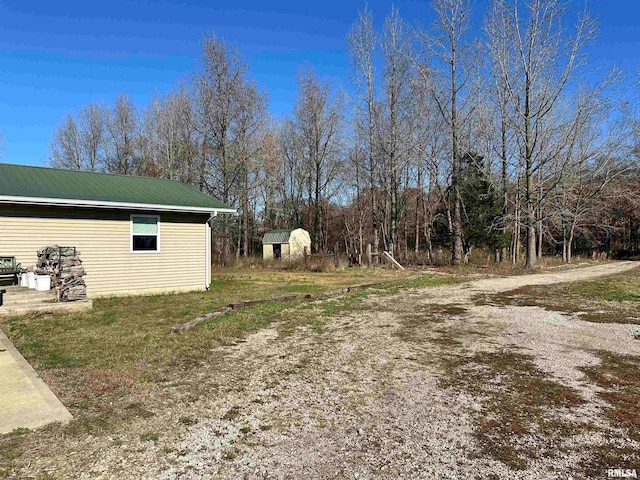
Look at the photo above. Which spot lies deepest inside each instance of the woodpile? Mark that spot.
(65, 268)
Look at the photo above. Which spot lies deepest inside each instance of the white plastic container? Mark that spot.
(31, 280)
(23, 280)
(43, 283)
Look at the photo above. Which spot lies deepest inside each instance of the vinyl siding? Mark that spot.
(104, 242)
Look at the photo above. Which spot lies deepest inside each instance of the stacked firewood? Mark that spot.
(73, 289)
(64, 266)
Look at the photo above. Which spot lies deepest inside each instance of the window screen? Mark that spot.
(144, 231)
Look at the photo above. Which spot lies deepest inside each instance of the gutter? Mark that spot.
(64, 202)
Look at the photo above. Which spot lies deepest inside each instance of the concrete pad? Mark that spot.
(48, 308)
(25, 400)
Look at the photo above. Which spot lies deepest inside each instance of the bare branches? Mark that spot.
(316, 128)
(389, 165)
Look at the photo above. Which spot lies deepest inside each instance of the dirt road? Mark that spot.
(427, 383)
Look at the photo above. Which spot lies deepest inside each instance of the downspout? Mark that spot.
(208, 250)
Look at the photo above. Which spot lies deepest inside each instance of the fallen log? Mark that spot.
(353, 288)
(197, 321)
(248, 303)
(285, 298)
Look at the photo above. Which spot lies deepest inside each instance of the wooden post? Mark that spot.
(305, 254)
(368, 254)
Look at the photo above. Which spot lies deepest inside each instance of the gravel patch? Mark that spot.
(363, 398)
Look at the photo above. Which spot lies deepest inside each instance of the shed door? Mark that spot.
(277, 250)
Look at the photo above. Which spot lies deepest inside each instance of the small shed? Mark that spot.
(285, 244)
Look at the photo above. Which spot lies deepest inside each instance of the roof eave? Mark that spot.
(68, 202)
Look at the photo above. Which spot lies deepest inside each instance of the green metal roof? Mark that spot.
(35, 184)
(276, 236)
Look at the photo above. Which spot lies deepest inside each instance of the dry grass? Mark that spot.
(614, 299)
(134, 331)
(108, 365)
(482, 263)
(118, 369)
(519, 419)
(520, 408)
(619, 378)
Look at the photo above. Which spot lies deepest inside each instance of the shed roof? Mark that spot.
(276, 236)
(50, 186)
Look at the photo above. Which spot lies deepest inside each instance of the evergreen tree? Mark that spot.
(482, 205)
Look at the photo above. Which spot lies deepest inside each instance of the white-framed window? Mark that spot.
(145, 233)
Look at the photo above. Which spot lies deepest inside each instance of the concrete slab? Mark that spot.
(22, 301)
(25, 400)
(48, 308)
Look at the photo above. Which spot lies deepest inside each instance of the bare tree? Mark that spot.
(395, 140)
(362, 43)
(79, 144)
(270, 175)
(218, 88)
(536, 60)
(317, 123)
(91, 122)
(294, 174)
(247, 132)
(122, 134)
(592, 161)
(501, 145)
(65, 146)
(451, 50)
(170, 129)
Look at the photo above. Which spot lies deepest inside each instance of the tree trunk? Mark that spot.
(416, 248)
(515, 249)
(540, 213)
(529, 195)
(570, 242)
(427, 235)
(633, 229)
(245, 212)
(456, 222)
(505, 183)
(316, 217)
(393, 210)
(564, 241)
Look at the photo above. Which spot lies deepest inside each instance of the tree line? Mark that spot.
(441, 138)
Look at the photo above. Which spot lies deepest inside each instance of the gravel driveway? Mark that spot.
(370, 395)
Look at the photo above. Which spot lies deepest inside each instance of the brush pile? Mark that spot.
(65, 268)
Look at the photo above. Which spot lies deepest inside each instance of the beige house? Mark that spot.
(135, 235)
(285, 244)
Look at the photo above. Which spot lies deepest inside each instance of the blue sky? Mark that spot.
(56, 57)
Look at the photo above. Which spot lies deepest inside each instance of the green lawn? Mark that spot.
(619, 288)
(604, 300)
(104, 363)
(101, 362)
(126, 331)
